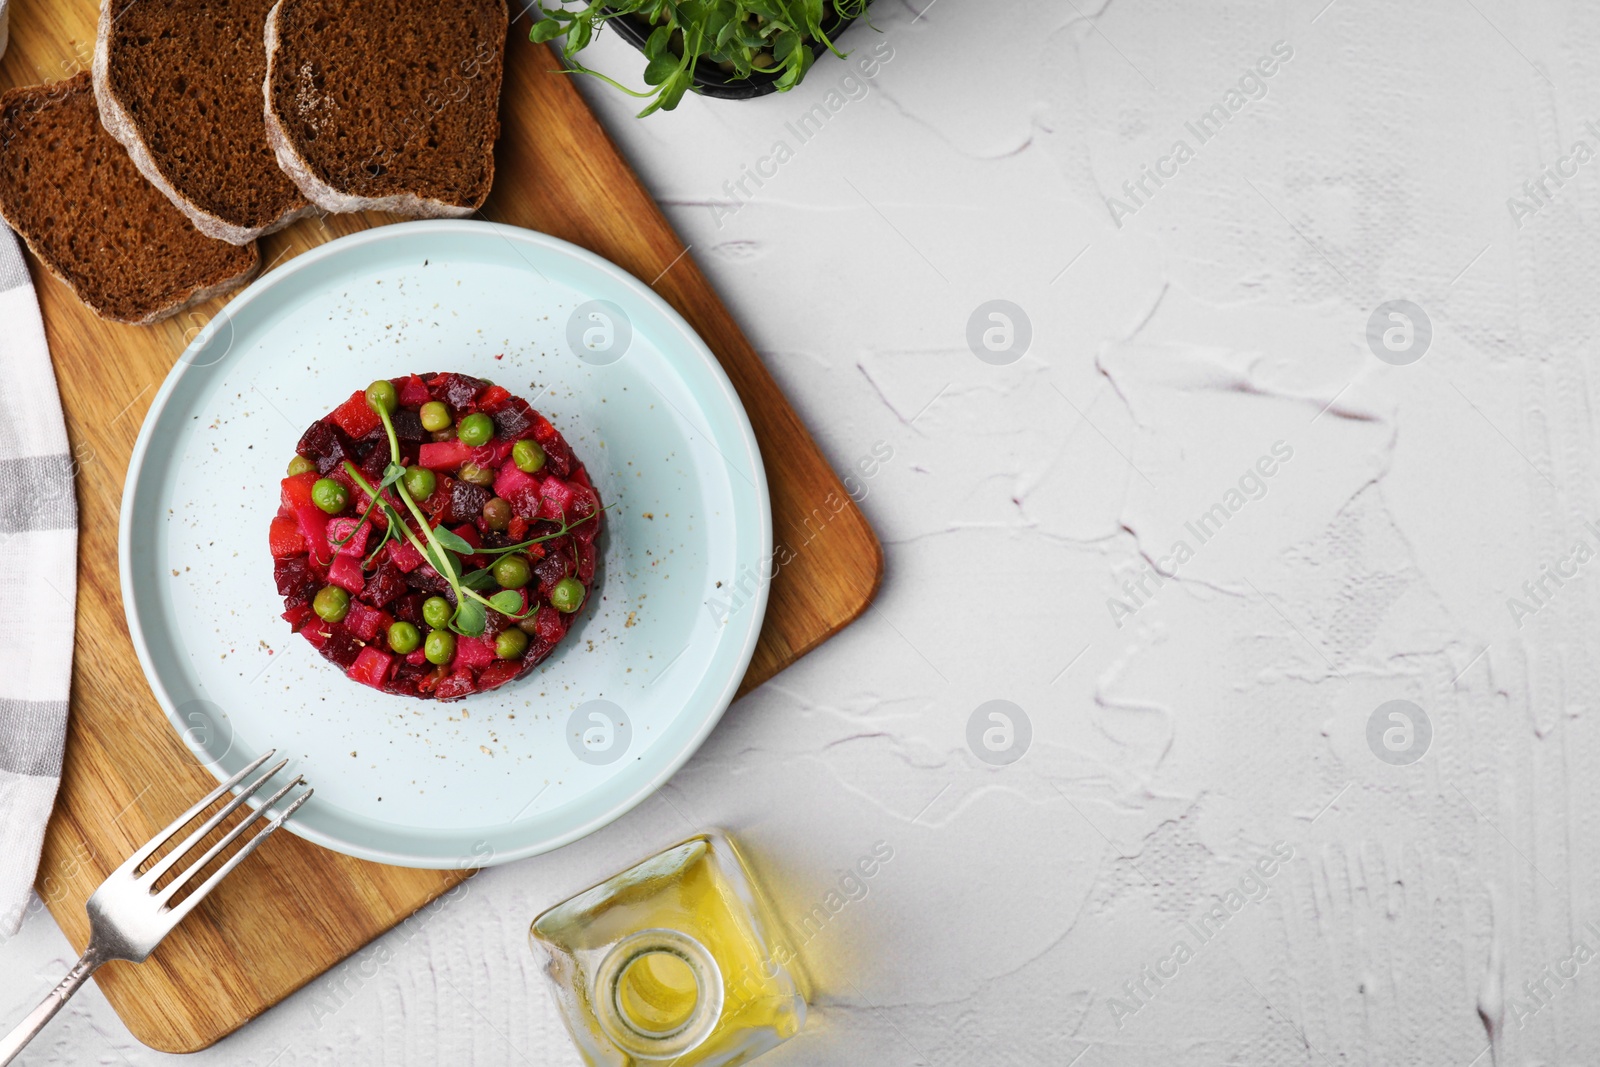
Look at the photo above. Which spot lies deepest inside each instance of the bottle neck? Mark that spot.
(658, 994)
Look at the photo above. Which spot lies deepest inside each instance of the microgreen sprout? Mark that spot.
(739, 37)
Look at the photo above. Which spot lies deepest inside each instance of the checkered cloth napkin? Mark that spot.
(38, 567)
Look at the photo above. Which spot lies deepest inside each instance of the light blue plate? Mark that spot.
(643, 676)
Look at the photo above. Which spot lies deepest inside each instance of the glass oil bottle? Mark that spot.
(676, 959)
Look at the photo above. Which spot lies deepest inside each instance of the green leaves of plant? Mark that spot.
(471, 618)
(741, 37)
(507, 602)
(453, 541)
(479, 580)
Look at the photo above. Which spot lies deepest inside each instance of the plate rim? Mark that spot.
(755, 612)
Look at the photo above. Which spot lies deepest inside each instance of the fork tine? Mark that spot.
(178, 913)
(216, 850)
(149, 848)
(210, 824)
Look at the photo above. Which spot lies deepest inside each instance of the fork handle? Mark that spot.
(29, 1028)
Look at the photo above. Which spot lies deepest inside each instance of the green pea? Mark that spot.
(437, 612)
(329, 495)
(381, 396)
(300, 465)
(567, 596)
(473, 474)
(440, 648)
(435, 416)
(496, 514)
(512, 572)
(476, 429)
(528, 456)
(510, 644)
(420, 482)
(332, 604)
(403, 637)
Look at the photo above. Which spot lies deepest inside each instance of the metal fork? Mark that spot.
(129, 916)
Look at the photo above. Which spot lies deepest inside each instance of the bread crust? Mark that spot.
(120, 125)
(318, 191)
(195, 294)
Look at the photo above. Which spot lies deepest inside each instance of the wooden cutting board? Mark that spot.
(294, 910)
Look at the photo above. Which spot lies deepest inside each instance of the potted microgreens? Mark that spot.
(733, 49)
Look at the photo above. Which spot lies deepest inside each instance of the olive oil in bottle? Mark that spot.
(675, 959)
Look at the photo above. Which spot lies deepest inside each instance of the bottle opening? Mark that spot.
(657, 993)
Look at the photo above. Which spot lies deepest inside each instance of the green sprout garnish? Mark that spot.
(741, 37)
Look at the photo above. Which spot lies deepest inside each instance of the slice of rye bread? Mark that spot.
(84, 209)
(179, 84)
(387, 106)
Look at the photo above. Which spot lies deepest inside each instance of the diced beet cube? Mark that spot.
(284, 538)
(406, 557)
(292, 575)
(342, 646)
(550, 624)
(413, 392)
(457, 390)
(298, 616)
(492, 398)
(417, 658)
(371, 667)
(375, 462)
(456, 686)
(345, 572)
(363, 620)
(313, 523)
(586, 560)
(387, 583)
(558, 497)
(355, 416)
(510, 479)
(408, 426)
(473, 653)
(514, 420)
(317, 632)
(491, 455)
(295, 490)
(466, 502)
(429, 580)
(558, 457)
(351, 527)
(362, 447)
(443, 455)
(498, 673)
(526, 501)
(324, 444)
(408, 606)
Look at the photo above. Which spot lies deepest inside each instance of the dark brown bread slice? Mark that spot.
(73, 194)
(387, 106)
(179, 84)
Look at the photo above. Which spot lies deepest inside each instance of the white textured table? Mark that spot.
(1120, 892)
